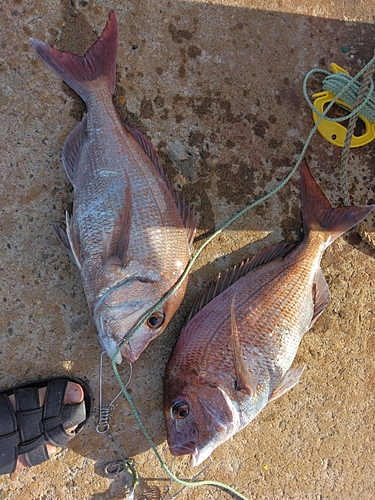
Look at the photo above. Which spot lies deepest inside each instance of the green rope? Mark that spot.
(334, 83)
(345, 87)
(131, 467)
(359, 99)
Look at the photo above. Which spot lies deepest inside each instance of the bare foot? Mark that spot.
(74, 394)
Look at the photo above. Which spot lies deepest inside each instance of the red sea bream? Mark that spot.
(130, 234)
(235, 353)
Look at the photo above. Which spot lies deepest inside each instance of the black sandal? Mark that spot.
(27, 429)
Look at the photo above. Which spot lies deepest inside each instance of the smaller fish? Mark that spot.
(235, 353)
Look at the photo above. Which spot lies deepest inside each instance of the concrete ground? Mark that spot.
(217, 86)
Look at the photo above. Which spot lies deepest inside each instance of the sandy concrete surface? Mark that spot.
(217, 86)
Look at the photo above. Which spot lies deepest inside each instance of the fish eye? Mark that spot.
(180, 410)
(155, 320)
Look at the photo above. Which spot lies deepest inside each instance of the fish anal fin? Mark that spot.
(321, 295)
(245, 380)
(225, 280)
(116, 243)
(186, 210)
(73, 238)
(72, 147)
(289, 380)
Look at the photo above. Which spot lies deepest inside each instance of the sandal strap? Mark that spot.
(20, 430)
(29, 416)
(28, 413)
(27, 429)
(59, 416)
(9, 436)
(35, 451)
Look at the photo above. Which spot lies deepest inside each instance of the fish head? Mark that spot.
(198, 418)
(116, 318)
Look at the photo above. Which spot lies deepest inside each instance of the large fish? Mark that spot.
(130, 234)
(235, 353)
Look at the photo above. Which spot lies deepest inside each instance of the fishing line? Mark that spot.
(102, 426)
(230, 221)
(169, 488)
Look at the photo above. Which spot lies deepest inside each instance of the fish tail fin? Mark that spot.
(78, 71)
(318, 214)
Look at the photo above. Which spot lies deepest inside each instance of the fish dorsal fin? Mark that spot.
(187, 212)
(215, 288)
(72, 147)
(321, 295)
(289, 380)
(245, 380)
(268, 254)
(116, 243)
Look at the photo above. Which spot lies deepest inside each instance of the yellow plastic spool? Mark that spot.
(335, 132)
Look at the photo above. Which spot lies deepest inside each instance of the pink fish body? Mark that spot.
(235, 353)
(130, 234)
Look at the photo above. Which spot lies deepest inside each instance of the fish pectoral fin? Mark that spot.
(116, 243)
(63, 238)
(69, 240)
(245, 380)
(289, 380)
(73, 238)
(72, 148)
(321, 295)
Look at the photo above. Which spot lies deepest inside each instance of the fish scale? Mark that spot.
(235, 353)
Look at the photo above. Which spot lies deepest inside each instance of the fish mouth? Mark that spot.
(200, 456)
(127, 352)
(130, 354)
(111, 348)
(134, 347)
(184, 449)
(196, 456)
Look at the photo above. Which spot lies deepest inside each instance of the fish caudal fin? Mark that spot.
(77, 71)
(318, 214)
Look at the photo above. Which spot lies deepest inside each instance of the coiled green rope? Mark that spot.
(350, 83)
(346, 88)
(336, 82)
